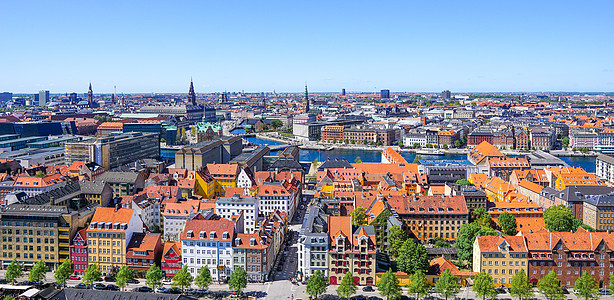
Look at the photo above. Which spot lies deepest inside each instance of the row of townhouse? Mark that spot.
(568, 254)
(439, 138)
(599, 140)
(515, 138)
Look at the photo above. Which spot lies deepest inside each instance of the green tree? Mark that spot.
(446, 286)
(359, 217)
(40, 174)
(466, 237)
(482, 217)
(203, 279)
(550, 287)
(62, 273)
(238, 280)
(316, 284)
(507, 222)
(122, 277)
(400, 143)
(586, 287)
(412, 257)
(416, 145)
(91, 274)
(183, 278)
(457, 143)
(483, 285)
(464, 182)
(442, 244)
(577, 223)
(8, 298)
(445, 146)
(611, 287)
(521, 288)
(347, 287)
(153, 277)
(38, 271)
(346, 141)
(276, 124)
(417, 159)
(558, 218)
(358, 160)
(13, 271)
(417, 285)
(396, 238)
(388, 286)
(565, 142)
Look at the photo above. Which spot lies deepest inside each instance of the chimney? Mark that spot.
(117, 206)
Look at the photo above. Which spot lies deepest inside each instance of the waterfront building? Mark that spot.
(605, 167)
(480, 154)
(503, 166)
(542, 139)
(219, 151)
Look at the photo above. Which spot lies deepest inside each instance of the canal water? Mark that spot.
(587, 163)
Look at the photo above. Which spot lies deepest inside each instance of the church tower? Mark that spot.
(191, 94)
(306, 99)
(90, 96)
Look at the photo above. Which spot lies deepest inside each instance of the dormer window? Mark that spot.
(252, 242)
(190, 234)
(93, 225)
(225, 235)
(202, 234)
(212, 235)
(237, 241)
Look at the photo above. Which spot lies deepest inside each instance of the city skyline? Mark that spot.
(254, 47)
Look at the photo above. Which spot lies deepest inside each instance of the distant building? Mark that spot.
(446, 95)
(605, 167)
(220, 151)
(6, 96)
(384, 94)
(342, 92)
(209, 114)
(43, 98)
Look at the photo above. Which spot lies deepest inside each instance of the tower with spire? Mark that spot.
(90, 96)
(306, 99)
(191, 94)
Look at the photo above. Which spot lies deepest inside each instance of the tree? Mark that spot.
(417, 285)
(416, 145)
(445, 146)
(91, 274)
(446, 286)
(122, 277)
(586, 287)
(8, 298)
(203, 279)
(482, 285)
(183, 278)
(412, 257)
(482, 217)
(153, 277)
(558, 218)
(396, 238)
(577, 223)
(358, 160)
(38, 271)
(13, 271)
(40, 174)
(388, 286)
(464, 182)
(400, 143)
(62, 273)
(347, 287)
(521, 287)
(611, 287)
(457, 143)
(442, 244)
(565, 142)
(417, 159)
(238, 280)
(316, 284)
(359, 217)
(507, 222)
(276, 123)
(550, 287)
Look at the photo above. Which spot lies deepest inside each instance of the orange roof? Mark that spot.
(483, 150)
(273, 190)
(478, 179)
(534, 187)
(223, 169)
(575, 179)
(143, 242)
(421, 205)
(109, 215)
(231, 191)
(183, 208)
(440, 265)
(508, 162)
(339, 225)
(491, 243)
(24, 180)
(210, 229)
(244, 241)
(393, 156)
(437, 189)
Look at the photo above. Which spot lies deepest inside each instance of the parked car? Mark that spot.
(604, 291)
(368, 289)
(565, 291)
(501, 290)
(109, 278)
(112, 287)
(81, 286)
(374, 298)
(359, 297)
(162, 290)
(74, 277)
(132, 280)
(174, 290)
(145, 289)
(100, 286)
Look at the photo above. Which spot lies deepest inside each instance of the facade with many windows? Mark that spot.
(501, 257)
(352, 249)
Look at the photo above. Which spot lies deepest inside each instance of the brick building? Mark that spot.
(332, 132)
(352, 249)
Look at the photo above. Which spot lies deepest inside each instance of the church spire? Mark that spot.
(191, 94)
(90, 96)
(306, 99)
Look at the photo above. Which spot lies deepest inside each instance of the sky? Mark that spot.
(266, 46)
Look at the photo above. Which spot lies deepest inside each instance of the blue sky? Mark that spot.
(156, 46)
